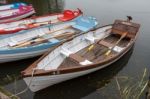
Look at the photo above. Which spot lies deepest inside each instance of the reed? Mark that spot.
(148, 92)
(132, 89)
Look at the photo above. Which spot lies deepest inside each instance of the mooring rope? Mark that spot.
(26, 89)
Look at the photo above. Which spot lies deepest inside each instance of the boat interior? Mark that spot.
(49, 34)
(38, 36)
(91, 48)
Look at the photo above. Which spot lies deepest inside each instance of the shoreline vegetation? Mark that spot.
(129, 88)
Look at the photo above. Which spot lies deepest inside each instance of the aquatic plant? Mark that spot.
(132, 89)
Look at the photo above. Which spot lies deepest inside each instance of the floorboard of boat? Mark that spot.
(96, 54)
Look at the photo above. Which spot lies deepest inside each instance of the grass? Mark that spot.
(132, 89)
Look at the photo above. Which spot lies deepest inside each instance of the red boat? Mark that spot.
(15, 26)
(16, 14)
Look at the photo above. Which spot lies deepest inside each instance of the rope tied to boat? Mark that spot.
(26, 89)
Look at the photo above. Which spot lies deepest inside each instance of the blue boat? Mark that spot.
(34, 42)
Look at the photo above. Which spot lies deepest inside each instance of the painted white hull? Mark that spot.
(42, 82)
(18, 17)
(15, 57)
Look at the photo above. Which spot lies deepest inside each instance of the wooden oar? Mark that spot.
(43, 23)
(42, 40)
(91, 47)
(21, 43)
(63, 37)
(122, 36)
(35, 24)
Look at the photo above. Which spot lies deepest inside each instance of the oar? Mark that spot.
(122, 36)
(43, 40)
(21, 43)
(91, 47)
(35, 24)
(43, 23)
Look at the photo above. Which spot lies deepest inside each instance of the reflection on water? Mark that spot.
(44, 6)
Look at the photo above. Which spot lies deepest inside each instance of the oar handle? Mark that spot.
(123, 35)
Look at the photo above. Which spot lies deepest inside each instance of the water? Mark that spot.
(101, 84)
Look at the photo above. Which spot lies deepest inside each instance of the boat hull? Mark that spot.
(18, 17)
(15, 57)
(41, 82)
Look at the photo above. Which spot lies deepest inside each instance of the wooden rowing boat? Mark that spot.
(36, 41)
(16, 14)
(82, 55)
(15, 26)
(12, 6)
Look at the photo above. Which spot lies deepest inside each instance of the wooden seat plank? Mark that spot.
(104, 43)
(76, 58)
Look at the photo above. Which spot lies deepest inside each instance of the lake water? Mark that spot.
(101, 84)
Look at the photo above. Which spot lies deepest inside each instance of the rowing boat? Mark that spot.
(36, 41)
(16, 14)
(12, 6)
(82, 55)
(15, 26)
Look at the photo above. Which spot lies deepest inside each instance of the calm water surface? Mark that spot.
(101, 84)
